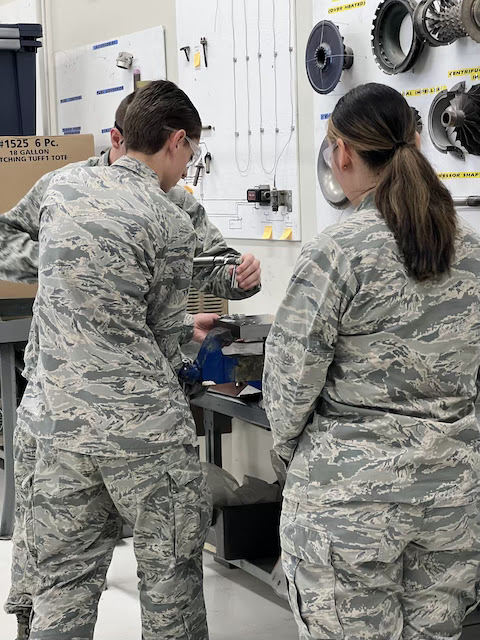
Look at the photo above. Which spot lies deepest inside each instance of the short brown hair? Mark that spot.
(155, 109)
(377, 123)
(121, 111)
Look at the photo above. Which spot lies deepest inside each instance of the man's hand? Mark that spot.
(249, 272)
(202, 324)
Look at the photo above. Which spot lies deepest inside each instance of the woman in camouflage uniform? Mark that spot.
(371, 375)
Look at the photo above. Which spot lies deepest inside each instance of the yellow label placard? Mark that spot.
(449, 175)
(426, 91)
(347, 7)
(473, 72)
(287, 234)
(267, 232)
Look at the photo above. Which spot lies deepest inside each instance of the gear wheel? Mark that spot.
(462, 120)
(385, 36)
(436, 128)
(441, 22)
(326, 57)
(470, 13)
(418, 119)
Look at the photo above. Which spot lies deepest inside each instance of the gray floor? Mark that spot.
(239, 606)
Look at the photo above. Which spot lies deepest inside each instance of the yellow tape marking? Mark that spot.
(347, 7)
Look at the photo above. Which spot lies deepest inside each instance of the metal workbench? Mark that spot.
(252, 413)
(13, 333)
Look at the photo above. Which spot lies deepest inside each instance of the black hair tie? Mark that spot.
(397, 145)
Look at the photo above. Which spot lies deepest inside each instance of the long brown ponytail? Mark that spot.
(377, 123)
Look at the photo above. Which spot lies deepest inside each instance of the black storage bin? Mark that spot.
(18, 78)
(246, 532)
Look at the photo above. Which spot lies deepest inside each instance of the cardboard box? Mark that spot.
(23, 160)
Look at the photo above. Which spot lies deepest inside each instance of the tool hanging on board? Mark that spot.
(199, 169)
(208, 161)
(186, 51)
(203, 42)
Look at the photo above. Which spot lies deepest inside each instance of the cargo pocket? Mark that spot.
(191, 508)
(306, 557)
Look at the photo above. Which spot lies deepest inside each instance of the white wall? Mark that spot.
(73, 23)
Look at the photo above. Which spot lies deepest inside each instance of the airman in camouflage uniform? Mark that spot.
(19, 262)
(370, 385)
(162, 434)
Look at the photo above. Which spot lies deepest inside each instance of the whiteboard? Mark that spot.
(90, 86)
(25, 11)
(431, 71)
(256, 95)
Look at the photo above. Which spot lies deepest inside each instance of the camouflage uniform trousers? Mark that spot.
(72, 535)
(23, 574)
(23, 571)
(373, 571)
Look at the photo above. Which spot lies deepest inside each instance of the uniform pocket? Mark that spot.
(307, 563)
(192, 507)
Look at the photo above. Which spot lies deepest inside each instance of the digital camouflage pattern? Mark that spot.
(388, 366)
(76, 502)
(23, 573)
(381, 571)
(19, 232)
(115, 267)
(370, 384)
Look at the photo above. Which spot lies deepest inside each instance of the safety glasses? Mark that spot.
(196, 149)
(328, 154)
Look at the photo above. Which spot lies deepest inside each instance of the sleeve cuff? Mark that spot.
(186, 334)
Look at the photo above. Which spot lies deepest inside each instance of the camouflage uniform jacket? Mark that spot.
(19, 241)
(370, 377)
(115, 268)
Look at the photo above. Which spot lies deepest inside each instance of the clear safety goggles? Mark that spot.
(328, 154)
(196, 149)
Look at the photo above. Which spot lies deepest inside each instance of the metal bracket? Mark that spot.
(281, 198)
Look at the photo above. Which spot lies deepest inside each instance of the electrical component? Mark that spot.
(326, 57)
(386, 46)
(261, 194)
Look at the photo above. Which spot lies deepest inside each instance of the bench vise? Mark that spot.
(232, 352)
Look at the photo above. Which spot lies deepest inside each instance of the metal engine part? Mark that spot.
(467, 201)
(331, 190)
(418, 119)
(326, 57)
(386, 46)
(471, 18)
(461, 119)
(436, 129)
(441, 22)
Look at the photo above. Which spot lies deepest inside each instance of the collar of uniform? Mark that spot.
(104, 158)
(141, 169)
(367, 203)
